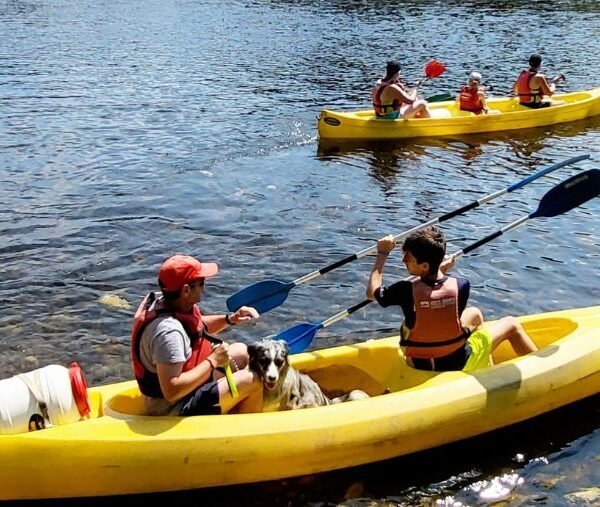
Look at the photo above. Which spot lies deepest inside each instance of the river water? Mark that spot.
(135, 130)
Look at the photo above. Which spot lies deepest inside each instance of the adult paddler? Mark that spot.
(391, 100)
(532, 87)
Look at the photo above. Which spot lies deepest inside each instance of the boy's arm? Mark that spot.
(482, 98)
(384, 247)
(447, 264)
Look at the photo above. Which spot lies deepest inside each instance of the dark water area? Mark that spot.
(130, 131)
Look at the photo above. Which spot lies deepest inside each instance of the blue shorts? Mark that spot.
(394, 115)
(202, 401)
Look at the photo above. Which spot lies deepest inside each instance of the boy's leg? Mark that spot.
(509, 328)
(471, 318)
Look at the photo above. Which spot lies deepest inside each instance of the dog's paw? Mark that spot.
(354, 395)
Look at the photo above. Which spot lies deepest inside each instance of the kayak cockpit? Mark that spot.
(543, 332)
(375, 366)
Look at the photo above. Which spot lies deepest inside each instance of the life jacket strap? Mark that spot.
(405, 342)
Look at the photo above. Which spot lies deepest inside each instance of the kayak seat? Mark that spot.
(129, 401)
(338, 379)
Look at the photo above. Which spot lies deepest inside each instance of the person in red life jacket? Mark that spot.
(391, 100)
(439, 332)
(472, 95)
(533, 88)
(176, 360)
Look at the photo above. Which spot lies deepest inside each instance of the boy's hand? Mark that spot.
(447, 264)
(386, 245)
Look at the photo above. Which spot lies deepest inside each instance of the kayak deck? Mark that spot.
(119, 451)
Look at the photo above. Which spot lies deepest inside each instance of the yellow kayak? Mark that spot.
(118, 451)
(447, 119)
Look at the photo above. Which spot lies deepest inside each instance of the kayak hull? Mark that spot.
(448, 120)
(118, 451)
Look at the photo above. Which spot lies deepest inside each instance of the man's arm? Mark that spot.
(176, 383)
(216, 323)
(403, 96)
(547, 89)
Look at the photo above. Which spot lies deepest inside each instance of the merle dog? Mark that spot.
(285, 386)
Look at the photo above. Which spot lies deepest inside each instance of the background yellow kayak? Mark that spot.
(447, 119)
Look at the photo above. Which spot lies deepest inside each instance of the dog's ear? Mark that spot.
(285, 347)
(252, 349)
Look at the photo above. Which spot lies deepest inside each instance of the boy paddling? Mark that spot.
(439, 332)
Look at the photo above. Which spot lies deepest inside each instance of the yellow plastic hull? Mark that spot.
(118, 451)
(447, 119)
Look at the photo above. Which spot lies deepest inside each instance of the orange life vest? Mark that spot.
(469, 100)
(191, 322)
(383, 109)
(437, 331)
(526, 95)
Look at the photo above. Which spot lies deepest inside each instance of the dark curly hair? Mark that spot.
(427, 245)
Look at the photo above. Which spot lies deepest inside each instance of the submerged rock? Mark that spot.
(587, 496)
(115, 301)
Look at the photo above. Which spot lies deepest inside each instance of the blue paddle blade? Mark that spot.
(299, 337)
(569, 194)
(263, 296)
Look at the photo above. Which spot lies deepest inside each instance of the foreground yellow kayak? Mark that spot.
(118, 451)
(447, 119)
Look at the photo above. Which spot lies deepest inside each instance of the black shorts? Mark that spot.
(452, 362)
(535, 105)
(202, 401)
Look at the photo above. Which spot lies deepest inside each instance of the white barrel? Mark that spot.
(53, 395)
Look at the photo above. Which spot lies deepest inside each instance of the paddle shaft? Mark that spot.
(228, 373)
(345, 313)
(562, 198)
(443, 218)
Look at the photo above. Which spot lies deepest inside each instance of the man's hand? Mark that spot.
(243, 315)
(220, 355)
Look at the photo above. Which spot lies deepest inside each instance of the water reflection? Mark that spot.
(138, 130)
(386, 160)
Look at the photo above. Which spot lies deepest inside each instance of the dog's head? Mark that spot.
(269, 359)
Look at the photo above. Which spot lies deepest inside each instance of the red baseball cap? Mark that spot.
(178, 270)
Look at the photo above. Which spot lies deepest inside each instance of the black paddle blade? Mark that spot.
(569, 194)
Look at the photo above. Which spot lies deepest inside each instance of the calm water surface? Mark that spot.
(134, 130)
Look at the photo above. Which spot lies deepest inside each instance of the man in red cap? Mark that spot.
(175, 359)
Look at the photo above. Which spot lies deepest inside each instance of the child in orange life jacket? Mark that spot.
(174, 360)
(472, 95)
(439, 332)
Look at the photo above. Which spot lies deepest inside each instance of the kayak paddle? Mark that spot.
(433, 69)
(564, 197)
(445, 97)
(269, 294)
(440, 97)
